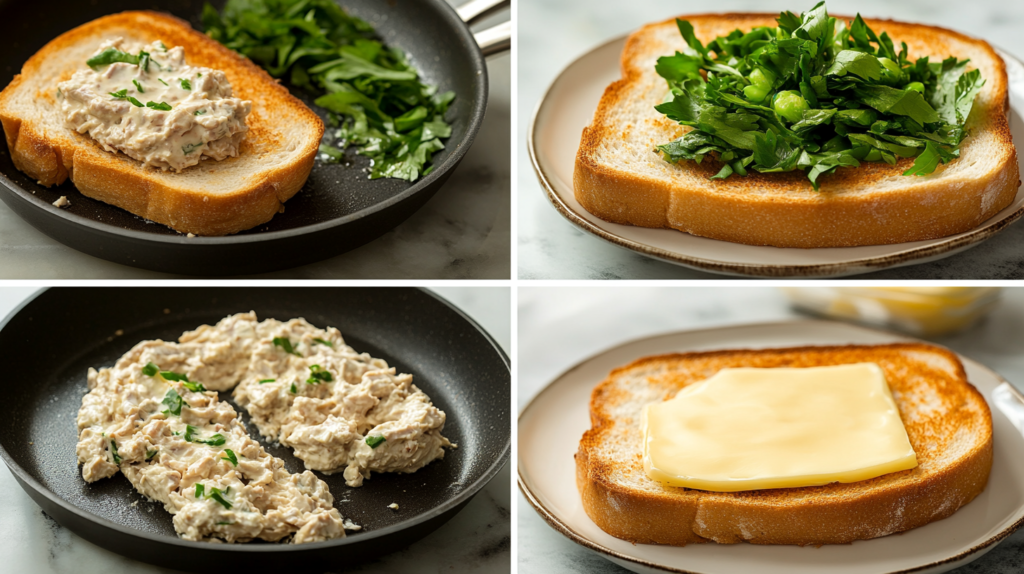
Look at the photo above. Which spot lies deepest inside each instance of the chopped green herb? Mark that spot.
(194, 387)
(160, 45)
(262, 381)
(293, 389)
(110, 56)
(144, 61)
(200, 75)
(135, 102)
(373, 93)
(174, 403)
(815, 93)
(199, 490)
(120, 94)
(286, 345)
(216, 495)
(59, 95)
(224, 523)
(150, 370)
(215, 440)
(375, 441)
(189, 148)
(185, 84)
(150, 454)
(163, 82)
(199, 112)
(113, 450)
(138, 86)
(230, 457)
(160, 106)
(323, 342)
(318, 374)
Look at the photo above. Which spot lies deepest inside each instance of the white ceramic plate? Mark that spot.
(568, 107)
(552, 423)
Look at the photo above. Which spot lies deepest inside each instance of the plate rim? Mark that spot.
(474, 117)
(862, 265)
(451, 504)
(608, 553)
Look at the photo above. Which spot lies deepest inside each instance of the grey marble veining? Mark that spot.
(464, 231)
(553, 34)
(477, 539)
(559, 327)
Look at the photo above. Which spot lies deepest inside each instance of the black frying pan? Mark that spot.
(50, 342)
(337, 210)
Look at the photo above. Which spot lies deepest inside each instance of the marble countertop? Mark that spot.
(553, 34)
(464, 231)
(559, 327)
(477, 539)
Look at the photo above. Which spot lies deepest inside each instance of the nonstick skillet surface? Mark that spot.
(337, 210)
(50, 342)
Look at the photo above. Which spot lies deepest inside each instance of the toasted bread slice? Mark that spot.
(947, 421)
(621, 178)
(212, 198)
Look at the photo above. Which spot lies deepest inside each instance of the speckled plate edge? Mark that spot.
(936, 249)
(633, 562)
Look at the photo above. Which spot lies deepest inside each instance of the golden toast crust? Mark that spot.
(869, 205)
(947, 420)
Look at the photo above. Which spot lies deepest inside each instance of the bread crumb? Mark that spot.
(393, 506)
(190, 235)
(62, 201)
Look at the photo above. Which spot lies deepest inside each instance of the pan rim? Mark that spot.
(451, 504)
(474, 116)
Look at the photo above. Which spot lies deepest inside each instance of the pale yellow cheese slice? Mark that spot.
(751, 429)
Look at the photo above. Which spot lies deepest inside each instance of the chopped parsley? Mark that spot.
(138, 86)
(194, 387)
(185, 84)
(318, 374)
(293, 389)
(163, 82)
(262, 381)
(150, 370)
(374, 95)
(375, 441)
(199, 490)
(144, 61)
(120, 94)
(215, 440)
(135, 102)
(110, 56)
(215, 494)
(815, 93)
(230, 457)
(200, 75)
(286, 345)
(323, 342)
(174, 403)
(189, 148)
(225, 523)
(160, 106)
(113, 451)
(150, 454)
(199, 112)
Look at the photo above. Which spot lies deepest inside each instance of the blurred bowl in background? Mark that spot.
(919, 311)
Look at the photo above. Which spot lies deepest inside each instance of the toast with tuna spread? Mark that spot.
(244, 177)
(947, 421)
(622, 177)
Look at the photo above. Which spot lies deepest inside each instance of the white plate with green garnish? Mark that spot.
(568, 107)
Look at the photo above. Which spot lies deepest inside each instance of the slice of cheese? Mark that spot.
(751, 429)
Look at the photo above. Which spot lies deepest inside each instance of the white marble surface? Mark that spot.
(559, 327)
(477, 539)
(553, 34)
(464, 231)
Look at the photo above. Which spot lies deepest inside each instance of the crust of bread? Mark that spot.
(620, 178)
(953, 445)
(212, 198)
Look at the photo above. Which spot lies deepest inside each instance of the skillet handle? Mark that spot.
(495, 40)
(475, 9)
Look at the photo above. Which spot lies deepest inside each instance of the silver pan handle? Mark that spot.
(492, 40)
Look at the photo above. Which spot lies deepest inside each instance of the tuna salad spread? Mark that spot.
(146, 102)
(155, 417)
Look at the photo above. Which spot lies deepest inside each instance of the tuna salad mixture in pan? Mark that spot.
(155, 416)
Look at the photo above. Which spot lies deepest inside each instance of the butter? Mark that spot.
(752, 429)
